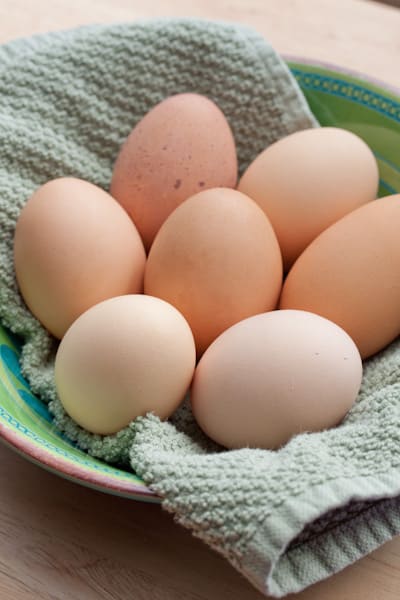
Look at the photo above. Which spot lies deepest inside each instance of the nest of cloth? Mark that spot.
(286, 518)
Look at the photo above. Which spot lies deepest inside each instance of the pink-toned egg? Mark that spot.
(273, 376)
(182, 146)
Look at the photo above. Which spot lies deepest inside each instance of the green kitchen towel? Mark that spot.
(284, 519)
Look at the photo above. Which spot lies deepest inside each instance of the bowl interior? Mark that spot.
(336, 98)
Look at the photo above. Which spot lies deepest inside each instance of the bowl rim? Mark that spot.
(311, 62)
(72, 471)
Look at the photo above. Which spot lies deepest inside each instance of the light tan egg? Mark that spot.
(74, 246)
(182, 146)
(307, 181)
(122, 358)
(350, 274)
(217, 260)
(273, 376)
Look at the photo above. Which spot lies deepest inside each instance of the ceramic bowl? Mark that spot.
(338, 98)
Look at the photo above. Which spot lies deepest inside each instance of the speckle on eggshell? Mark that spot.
(170, 177)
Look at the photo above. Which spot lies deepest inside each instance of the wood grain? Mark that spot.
(354, 33)
(59, 541)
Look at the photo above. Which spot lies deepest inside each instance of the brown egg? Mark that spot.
(217, 260)
(307, 181)
(74, 246)
(273, 376)
(182, 146)
(350, 274)
(122, 358)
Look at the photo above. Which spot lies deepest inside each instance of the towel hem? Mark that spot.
(292, 570)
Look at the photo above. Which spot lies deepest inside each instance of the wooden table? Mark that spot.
(60, 541)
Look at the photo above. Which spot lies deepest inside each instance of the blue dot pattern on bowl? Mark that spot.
(350, 91)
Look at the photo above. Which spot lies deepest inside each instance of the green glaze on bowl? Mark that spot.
(26, 425)
(338, 99)
(364, 107)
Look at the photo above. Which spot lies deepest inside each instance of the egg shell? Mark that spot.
(182, 146)
(307, 181)
(350, 274)
(216, 258)
(74, 246)
(273, 376)
(122, 358)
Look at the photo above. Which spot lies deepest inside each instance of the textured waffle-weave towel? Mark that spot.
(284, 519)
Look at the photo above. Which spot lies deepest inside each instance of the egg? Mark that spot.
(217, 260)
(122, 358)
(273, 376)
(74, 246)
(182, 146)
(350, 274)
(307, 181)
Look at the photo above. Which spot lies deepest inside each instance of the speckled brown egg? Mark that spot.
(182, 146)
